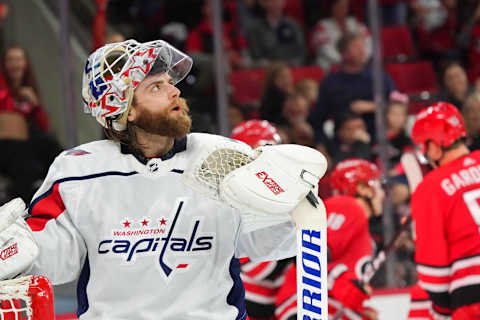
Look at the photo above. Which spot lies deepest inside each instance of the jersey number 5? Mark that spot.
(472, 199)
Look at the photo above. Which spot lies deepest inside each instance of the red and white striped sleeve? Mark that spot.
(431, 254)
(62, 248)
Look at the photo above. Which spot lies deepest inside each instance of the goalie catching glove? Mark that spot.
(269, 181)
(275, 181)
(18, 248)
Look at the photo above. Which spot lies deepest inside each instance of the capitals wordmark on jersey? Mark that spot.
(137, 242)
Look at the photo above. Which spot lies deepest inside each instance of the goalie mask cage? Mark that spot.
(26, 298)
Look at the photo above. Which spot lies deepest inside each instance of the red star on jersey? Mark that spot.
(163, 221)
(126, 224)
(145, 222)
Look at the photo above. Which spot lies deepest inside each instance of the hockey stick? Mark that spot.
(372, 268)
(311, 261)
(412, 168)
(414, 175)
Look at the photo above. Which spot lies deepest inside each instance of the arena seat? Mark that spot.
(311, 72)
(413, 77)
(247, 85)
(397, 44)
(417, 79)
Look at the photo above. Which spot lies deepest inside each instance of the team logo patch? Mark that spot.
(76, 152)
(453, 120)
(269, 182)
(133, 239)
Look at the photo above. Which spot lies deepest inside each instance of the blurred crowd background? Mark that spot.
(304, 65)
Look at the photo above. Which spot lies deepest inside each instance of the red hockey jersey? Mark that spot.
(446, 216)
(348, 238)
(262, 280)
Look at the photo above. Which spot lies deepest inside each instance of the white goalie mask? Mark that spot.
(113, 72)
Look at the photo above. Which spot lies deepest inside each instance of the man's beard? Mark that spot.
(164, 123)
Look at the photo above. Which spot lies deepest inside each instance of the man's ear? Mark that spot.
(132, 114)
(434, 151)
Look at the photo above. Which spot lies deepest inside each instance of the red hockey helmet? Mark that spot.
(441, 123)
(348, 173)
(256, 133)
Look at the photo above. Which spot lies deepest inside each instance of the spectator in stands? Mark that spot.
(295, 109)
(277, 86)
(328, 31)
(437, 28)
(175, 33)
(309, 89)
(469, 40)
(294, 117)
(348, 90)
(200, 46)
(398, 143)
(247, 12)
(301, 133)
(313, 11)
(396, 116)
(351, 140)
(456, 87)
(27, 148)
(236, 114)
(393, 12)
(200, 40)
(274, 37)
(471, 115)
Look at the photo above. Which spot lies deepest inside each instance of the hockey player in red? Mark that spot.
(256, 133)
(359, 195)
(446, 215)
(261, 280)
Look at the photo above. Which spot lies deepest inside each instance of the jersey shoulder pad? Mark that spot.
(197, 142)
(93, 157)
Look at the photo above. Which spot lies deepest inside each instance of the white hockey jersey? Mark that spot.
(141, 243)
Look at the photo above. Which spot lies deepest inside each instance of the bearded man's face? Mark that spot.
(158, 108)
